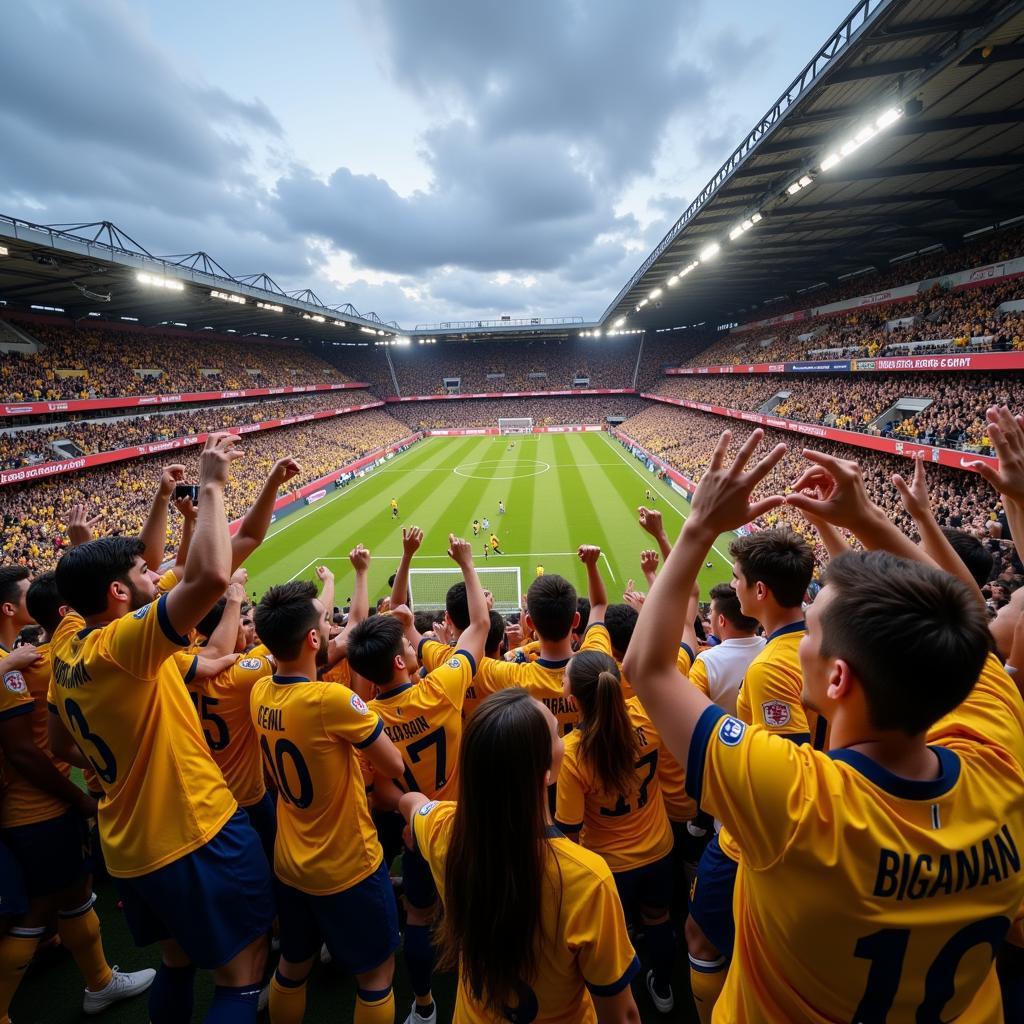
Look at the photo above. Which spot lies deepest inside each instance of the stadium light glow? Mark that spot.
(48, 309)
(673, 281)
(865, 134)
(367, 330)
(156, 281)
(227, 297)
(654, 293)
(620, 321)
(131, 319)
(316, 317)
(402, 340)
(641, 303)
(270, 307)
(4, 251)
(709, 252)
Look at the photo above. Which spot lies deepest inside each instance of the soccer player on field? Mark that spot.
(476, 527)
(168, 823)
(532, 921)
(394, 508)
(423, 718)
(876, 881)
(610, 800)
(501, 508)
(539, 571)
(44, 815)
(495, 544)
(333, 886)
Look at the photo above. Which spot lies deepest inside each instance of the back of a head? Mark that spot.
(780, 559)
(85, 572)
(913, 635)
(424, 620)
(456, 604)
(373, 645)
(551, 603)
(583, 607)
(10, 578)
(285, 615)
(620, 621)
(43, 601)
(972, 553)
(496, 633)
(497, 854)
(725, 602)
(211, 620)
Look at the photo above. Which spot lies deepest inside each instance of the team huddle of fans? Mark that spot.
(826, 770)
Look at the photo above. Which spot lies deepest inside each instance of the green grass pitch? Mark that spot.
(560, 491)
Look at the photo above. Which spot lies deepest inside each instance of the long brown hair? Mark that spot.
(607, 740)
(497, 854)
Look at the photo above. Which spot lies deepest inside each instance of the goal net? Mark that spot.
(428, 587)
(516, 425)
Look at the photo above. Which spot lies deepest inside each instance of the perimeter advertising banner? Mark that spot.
(879, 364)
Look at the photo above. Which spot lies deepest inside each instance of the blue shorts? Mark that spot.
(711, 898)
(263, 818)
(53, 854)
(213, 901)
(13, 895)
(420, 890)
(359, 925)
(649, 886)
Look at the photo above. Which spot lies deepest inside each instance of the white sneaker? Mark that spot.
(663, 1004)
(415, 1018)
(121, 986)
(325, 954)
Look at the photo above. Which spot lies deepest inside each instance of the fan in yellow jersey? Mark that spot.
(608, 788)
(423, 718)
(168, 824)
(532, 921)
(771, 573)
(327, 859)
(876, 881)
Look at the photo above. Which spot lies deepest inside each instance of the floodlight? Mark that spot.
(892, 115)
(620, 321)
(227, 297)
(830, 161)
(155, 281)
(757, 218)
(709, 252)
(654, 293)
(673, 281)
(314, 316)
(270, 307)
(3, 250)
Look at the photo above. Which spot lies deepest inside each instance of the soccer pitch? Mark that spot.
(559, 490)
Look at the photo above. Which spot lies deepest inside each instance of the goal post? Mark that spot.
(515, 425)
(428, 587)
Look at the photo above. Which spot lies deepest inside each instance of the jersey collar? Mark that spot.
(897, 785)
(553, 832)
(291, 679)
(394, 691)
(793, 627)
(549, 663)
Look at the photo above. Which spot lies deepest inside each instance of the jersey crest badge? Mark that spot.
(455, 663)
(776, 713)
(731, 731)
(427, 808)
(359, 704)
(141, 613)
(15, 682)
(251, 663)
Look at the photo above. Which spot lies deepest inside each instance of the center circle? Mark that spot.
(464, 471)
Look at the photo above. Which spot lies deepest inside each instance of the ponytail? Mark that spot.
(608, 743)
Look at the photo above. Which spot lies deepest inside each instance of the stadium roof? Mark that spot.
(949, 162)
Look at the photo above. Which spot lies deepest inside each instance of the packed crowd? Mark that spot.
(34, 514)
(86, 435)
(105, 362)
(474, 413)
(955, 417)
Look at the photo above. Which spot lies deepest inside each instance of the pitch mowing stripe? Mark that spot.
(525, 509)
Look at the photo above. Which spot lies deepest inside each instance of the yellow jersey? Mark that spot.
(861, 895)
(424, 720)
(259, 651)
(167, 582)
(25, 691)
(15, 700)
(588, 950)
(222, 703)
(630, 830)
(309, 733)
(119, 693)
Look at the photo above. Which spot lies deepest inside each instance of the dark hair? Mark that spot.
(726, 603)
(583, 607)
(551, 603)
(211, 620)
(373, 646)
(498, 855)
(285, 615)
(456, 604)
(43, 602)
(424, 621)
(10, 577)
(84, 573)
(972, 553)
(495, 635)
(607, 740)
(620, 621)
(912, 634)
(780, 559)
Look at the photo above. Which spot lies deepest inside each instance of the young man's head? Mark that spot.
(492, 646)
(895, 645)
(13, 588)
(379, 651)
(620, 621)
(771, 571)
(211, 620)
(727, 618)
(249, 626)
(551, 608)
(106, 577)
(456, 607)
(583, 607)
(293, 623)
(972, 552)
(44, 603)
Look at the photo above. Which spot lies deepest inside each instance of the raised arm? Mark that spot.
(255, 523)
(154, 531)
(1006, 433)
(474, 637)
(326, 578)
(649, 565)
(188, 525)
(835, 543)
(80, 526)
(222, 640)
(588, 554)
(360, 606)
(651, 521)
(412, 538)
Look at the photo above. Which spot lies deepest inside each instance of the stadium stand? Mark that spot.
(469, 413)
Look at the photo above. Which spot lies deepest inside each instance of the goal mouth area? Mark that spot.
(429, 587)
(515, 425)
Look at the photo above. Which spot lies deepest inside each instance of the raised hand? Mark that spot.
(460, 551)
(80, 526)
(186, 507)
(442, 632)
(412, 538)
(360, 558)
(588, 554)
(833, 490)
(284, 470)
(915, 494)
(1006, 433)
(650, 520)
(220, 451)
(633, 597)
(323, 574)
(170, 477)
(648, 563)
(403, 614)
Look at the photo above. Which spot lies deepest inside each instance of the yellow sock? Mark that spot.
(81, 936)
(374, 1007)
(707, 977)
(16, 952)
(287, 1000)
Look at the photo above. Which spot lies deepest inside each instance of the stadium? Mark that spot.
(850, 281)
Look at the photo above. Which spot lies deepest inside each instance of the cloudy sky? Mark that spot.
(425, 159)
